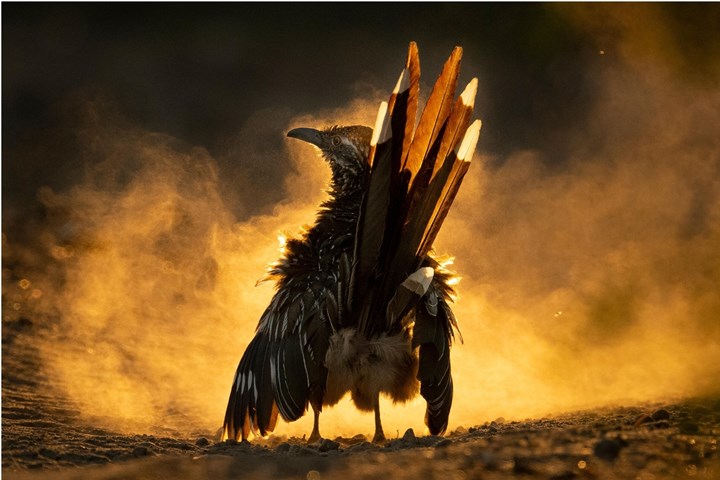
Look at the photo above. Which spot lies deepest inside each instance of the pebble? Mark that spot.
(202, 442)
(140, 451)
(460, 431)
(409, 435)
(661, 414)
(326, 445)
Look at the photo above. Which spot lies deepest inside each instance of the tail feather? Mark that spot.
(461, 155)
(434, 114)
(425, 174)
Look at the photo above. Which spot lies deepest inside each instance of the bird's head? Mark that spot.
(345, 148)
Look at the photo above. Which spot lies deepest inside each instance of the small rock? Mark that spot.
(661, 414)
(460, 431)
(283, 448)
(500, 420)
(202, 442)
(607, 449)
(326, 445)
(409, 435)
(141, 451)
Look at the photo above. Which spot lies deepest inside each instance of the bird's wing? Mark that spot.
(283, 367)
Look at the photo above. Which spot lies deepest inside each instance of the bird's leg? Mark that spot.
(379, 435)
(315, 435)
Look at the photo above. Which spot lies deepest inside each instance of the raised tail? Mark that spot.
(415, 176)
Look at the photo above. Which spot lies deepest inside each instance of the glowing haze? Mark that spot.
(583, 284)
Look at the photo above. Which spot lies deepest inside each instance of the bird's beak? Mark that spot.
(309, 135)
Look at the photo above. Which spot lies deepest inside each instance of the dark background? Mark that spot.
(199, 72)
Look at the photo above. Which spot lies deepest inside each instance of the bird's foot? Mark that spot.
(379, 437)
(314, 438)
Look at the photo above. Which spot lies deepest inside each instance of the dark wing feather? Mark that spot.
(250, 406)
(433, 334)
(282, 368)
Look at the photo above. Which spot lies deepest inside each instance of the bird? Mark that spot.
(362, 304)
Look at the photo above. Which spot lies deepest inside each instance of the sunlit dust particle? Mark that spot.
(36, 293)
(313, 475)
(16, 306)
(24, 283)
(582, 464)
(602, 52)
(691, 470)
(558, 313)
(692, 441)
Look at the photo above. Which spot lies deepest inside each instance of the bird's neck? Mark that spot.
(341, 211)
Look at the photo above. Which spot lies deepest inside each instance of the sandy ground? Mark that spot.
(44, 436)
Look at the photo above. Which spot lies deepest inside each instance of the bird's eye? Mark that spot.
(336, 140)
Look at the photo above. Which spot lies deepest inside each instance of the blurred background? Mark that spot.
(146, 177)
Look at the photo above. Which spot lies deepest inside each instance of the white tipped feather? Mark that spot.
(467, 146)
(468, 95)
(403, 82)
(419, 281)
(381, 132)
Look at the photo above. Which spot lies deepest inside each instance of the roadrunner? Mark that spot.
(362, 306)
